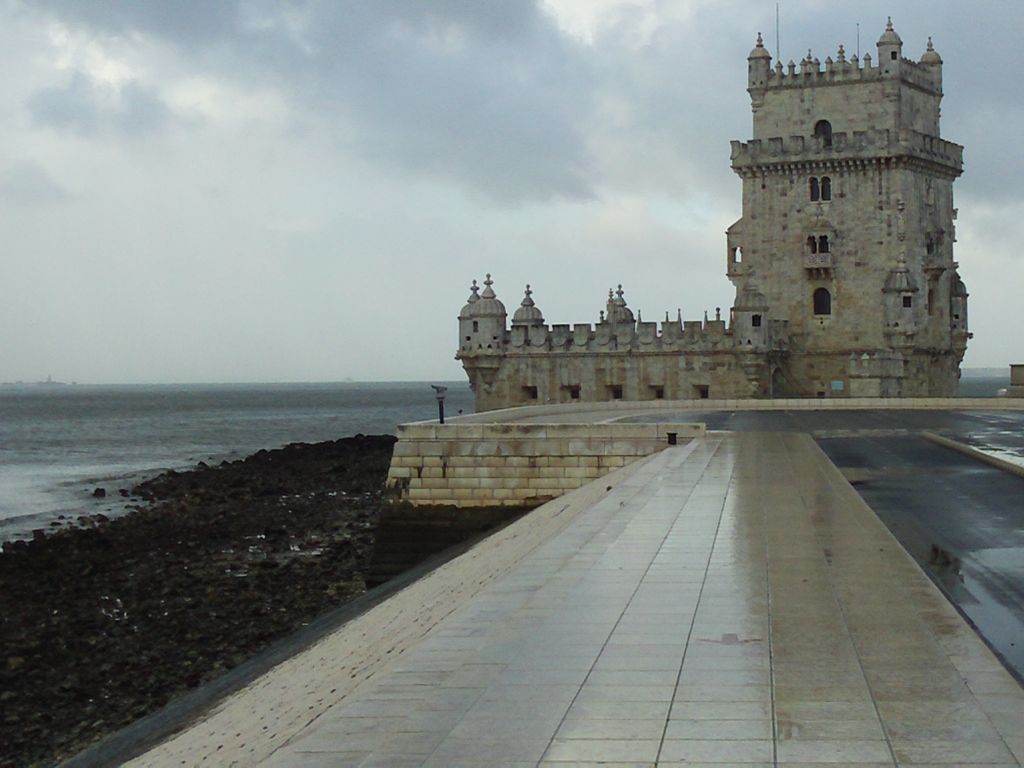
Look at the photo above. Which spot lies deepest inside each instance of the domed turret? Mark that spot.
(488, 306)
(528, 312)
(890, 36)
(482, 322)
(890, 48)
(958, 305)
(750, 298)
(899, 279)
(474, 297)
(618, 312)
(931, 56)
(898, 297)
(759, 65)
(759, 51)
(749, 319)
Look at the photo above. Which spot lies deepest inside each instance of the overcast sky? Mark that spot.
(303, 191)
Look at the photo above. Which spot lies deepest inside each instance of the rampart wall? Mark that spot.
(487, 465)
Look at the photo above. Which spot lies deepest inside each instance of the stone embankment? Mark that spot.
(520, 464)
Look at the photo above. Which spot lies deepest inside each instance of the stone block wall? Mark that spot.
(487, 465)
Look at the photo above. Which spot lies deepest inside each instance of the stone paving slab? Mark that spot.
(733, 602)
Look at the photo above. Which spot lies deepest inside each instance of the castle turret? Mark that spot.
(890, 50)
(482, 321)
(750, 319)
(466, 343)
(759, 67)
(528, 313)
(900, 300)
(617, 311)
(933, 62)
(958, 309)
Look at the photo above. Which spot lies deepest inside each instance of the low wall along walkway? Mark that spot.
(486, 465)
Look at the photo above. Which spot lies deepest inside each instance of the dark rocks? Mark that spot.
(106, 622)
(99, 493)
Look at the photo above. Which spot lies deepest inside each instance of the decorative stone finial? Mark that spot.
(888, 25)
(760, 41)
(841, 55)
(527, 300)
(638, 318)
(474, 293)
(488, 291)
(718, 313)
(930, 46)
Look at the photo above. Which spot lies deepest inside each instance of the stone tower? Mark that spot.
(847, 226)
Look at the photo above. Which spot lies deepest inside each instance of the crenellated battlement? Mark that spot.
(845, 147)
(678, 336)
(812, 72)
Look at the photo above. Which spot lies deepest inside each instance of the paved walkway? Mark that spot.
(731, 601)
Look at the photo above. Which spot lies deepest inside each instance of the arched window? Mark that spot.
(823, 244)
(826, 188)
(815, 192)
(823, 131)
(822, 302)
(812, 243)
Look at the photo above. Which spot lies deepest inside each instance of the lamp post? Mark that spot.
(439, 393)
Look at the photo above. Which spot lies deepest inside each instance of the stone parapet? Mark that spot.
(486, 465)
(1016, 388)
(847, 148)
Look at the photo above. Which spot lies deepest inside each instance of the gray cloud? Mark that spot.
(28, 184)
(82, 106)
(488, 94)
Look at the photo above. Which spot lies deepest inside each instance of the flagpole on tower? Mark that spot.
(778, 52)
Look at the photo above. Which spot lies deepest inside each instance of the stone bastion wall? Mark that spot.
(516, 465)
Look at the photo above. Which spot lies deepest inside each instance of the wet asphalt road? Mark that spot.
(961, 520)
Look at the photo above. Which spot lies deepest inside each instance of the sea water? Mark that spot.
(58, 443)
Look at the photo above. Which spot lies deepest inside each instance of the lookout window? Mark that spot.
(815, 189)
(823, 244)
(615, 392)
(755, 321)
(574, 391)
(908, 301)
(822, 302)
(893, 55)
(826, 188)
(476, 326)
(658, 392)
(812, 243)
(823, 131)
(529, 393)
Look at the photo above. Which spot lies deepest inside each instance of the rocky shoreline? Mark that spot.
(104, 624)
